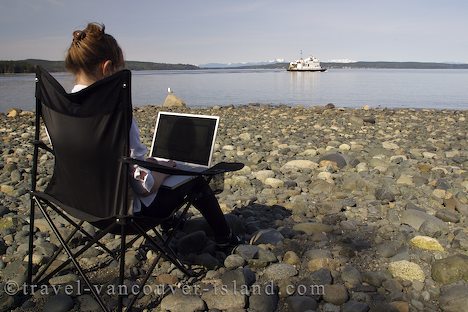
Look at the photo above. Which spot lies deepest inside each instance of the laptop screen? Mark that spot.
(184, 137)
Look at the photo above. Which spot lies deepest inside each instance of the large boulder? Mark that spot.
(173, 101)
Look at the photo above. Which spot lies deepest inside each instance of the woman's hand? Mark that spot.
(158, 176)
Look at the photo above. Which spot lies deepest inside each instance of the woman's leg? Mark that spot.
(209, 207)
(169, 200)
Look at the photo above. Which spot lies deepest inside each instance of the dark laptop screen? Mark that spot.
(184, 138)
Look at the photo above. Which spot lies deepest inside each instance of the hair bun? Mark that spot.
(78, 35)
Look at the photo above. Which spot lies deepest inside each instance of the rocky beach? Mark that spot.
(348, 210)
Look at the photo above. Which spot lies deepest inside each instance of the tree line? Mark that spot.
(28, 66)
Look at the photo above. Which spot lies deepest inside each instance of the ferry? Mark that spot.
(309, 64)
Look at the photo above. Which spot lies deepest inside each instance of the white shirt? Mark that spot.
(138, 151)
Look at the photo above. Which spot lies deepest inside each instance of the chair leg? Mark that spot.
(81, 251)
(52, 259)
(122, 265)
(143, 282)
(73, 259)
(31, 240)
(165, 253)
(80, 228)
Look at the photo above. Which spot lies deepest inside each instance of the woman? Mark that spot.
(93, 55)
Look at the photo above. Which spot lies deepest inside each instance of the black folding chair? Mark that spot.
(89, 133)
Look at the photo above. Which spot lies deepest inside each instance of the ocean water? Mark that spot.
(392, 88)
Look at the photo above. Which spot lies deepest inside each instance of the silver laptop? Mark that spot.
(187, 139)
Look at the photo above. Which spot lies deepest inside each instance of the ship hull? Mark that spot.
(307, 70)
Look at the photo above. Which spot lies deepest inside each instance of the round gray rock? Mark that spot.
(59, 303)
(279, 271)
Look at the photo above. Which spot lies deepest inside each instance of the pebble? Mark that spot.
(273, 182)
(448, 216)
(450, 269)
(290, 257)
(247, 251)
(264, 300)
(390, 145)
(427, 243)
(301, 304)
(233, 261)
(179, 302)
(88, 304)
(454, 299)
(335, 294)
(312, 228)
(355, 306)
(59, 303)
(416, 218)
(299, 164)
(351, 276)
(406, 270)
(266, 236)
(279, 271)
(230, 299)
(336, 158)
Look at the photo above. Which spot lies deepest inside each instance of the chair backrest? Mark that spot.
(89, 132)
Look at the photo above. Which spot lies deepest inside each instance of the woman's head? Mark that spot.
(93, 53)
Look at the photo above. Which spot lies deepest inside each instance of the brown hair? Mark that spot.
(89, 48)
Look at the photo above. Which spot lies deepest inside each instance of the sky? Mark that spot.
(232, 31)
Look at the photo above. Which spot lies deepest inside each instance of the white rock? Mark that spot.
(442, 194)
(273, 182)
(450, 154)
(262, 175)
(245, 136)
(397, 157)
(326, 176)
(406, 270)
(300, 164)
(309, 152)
(12, 113)
(228, 147)
(390, 145)
(429, 155)
(361, 167)
(405, 179)
(427, 243)
(239, 181)
(244, 171)
(344, 147)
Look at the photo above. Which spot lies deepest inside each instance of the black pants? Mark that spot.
(167, 201)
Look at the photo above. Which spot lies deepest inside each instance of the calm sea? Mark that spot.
(344, 87)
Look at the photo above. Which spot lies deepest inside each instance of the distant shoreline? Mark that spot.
(27, 66)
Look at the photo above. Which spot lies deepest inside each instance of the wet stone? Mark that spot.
(448, 216)
(355, 306)
(59, 303)
(450, 269)
(234, 261)
(335, 294)
(301, 303)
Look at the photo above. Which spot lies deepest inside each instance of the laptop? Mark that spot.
(187, 139)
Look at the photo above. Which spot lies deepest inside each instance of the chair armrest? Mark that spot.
(219, 168)
(42, 145)
(158, 168)
(223, 167)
